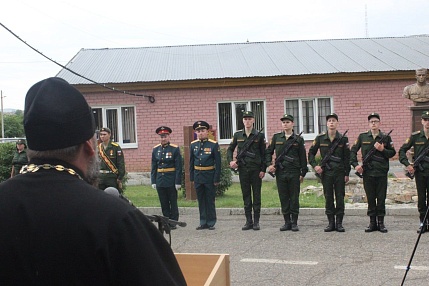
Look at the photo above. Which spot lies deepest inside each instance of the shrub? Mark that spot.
(7, 151)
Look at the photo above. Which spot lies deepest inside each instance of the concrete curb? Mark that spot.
(401, 210)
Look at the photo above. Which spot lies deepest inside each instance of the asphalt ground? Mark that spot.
(310, 256)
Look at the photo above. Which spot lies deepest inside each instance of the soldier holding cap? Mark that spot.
(57, 227)
(334, 179)
(375, 175)
(19, 157)
(293, 172)
(419, 140)
(112, 162)
(205, 169)
(253, 171)
(166, 173)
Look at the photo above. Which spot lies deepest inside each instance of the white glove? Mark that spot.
(178, 187)
(154, 186)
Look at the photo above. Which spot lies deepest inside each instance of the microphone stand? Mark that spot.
(164, 224)
(415, 246)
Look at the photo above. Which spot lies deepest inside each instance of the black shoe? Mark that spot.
(286, 226)
(294, 227)
(247, 226)
(200, 227)
(256, 226)
(211, 228)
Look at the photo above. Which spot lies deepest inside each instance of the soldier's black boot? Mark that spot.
(294, 226)
(256, 221)
(372, 224)
(422, 227)
(340, 227)
(249, 222)
(287, 225)
(331, 225)
(381, 227)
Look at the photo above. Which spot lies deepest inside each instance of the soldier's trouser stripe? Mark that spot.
(278, 261)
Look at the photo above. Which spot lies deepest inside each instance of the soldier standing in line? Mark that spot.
(290, 171)
(166, 173)
(334, 177)
(253, 169)
(374, 173)
(205, 169)
(112, 163)
(419, 140)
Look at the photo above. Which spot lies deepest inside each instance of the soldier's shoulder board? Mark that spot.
(195, 141)
(156, 146)
(115, 144)
(415, 133)
(321, 134)
(211, 140)
(174, 145)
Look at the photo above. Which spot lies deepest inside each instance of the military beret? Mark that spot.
(334, 115)
(105, 129)
(248, 114)
(374, 115)
(163, 130)
(200, 124)
(56, 116)
(287, 117)
(425, 115)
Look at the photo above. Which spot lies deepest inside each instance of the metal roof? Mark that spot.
(241, 60)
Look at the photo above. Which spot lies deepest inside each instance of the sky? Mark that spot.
(60, 29)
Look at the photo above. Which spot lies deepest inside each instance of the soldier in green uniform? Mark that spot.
(375, 173)
(19, 158)
(205, 169)
(419, 140)
(251, 169)
(290, 172)
(336, 176)
(166, 173)
(112, 163)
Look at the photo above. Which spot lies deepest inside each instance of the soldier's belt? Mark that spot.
(105, 172)
(165, 170)
(208, 168)
(335, 159)
(378, 159)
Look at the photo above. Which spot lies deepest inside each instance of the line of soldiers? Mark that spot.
(289, 167)
(333, 168)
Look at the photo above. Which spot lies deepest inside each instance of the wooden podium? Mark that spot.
(205, 268)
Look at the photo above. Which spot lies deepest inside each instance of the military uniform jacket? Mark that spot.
(115, 154)
(19, 159)
(63, 231)
(380, 162)
(257, 147)
(296, 153)
(420, 142)
(168, 161)
(205, 161)
(342, 152)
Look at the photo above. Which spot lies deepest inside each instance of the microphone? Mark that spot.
(114, 192)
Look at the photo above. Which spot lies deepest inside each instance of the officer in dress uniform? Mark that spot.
(112, 163)
(375, 174)
(293, 172)
(335, 177)
(419, 140)
(253, 171)
(205, 169)
(166, 173)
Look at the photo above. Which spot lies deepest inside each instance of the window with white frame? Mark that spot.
(122, 122)
(230, 117)
(309, 114)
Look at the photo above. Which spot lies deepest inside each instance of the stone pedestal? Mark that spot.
(188, 135)
(416, 115)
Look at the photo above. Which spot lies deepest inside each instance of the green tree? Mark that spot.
(14, 125)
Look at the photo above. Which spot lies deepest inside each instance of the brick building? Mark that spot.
(215, 83)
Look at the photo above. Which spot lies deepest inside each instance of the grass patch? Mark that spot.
(145, 196)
